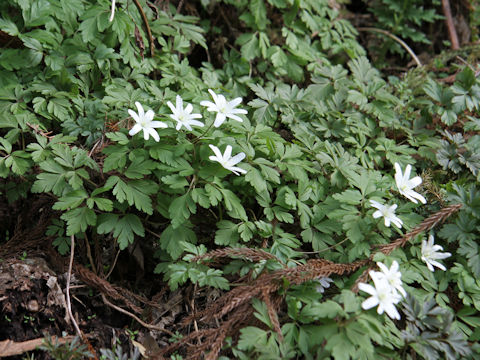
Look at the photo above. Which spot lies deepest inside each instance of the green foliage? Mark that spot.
(323, 130)
(69, 350)
(403, 18)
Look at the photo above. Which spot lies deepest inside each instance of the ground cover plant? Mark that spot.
(251, 179)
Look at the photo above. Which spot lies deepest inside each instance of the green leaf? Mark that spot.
(71, 200)
(259, 12)
(234, 205)
(171, 239)
(78, 220)
(180, 209)
(135, 192)
(227, 233)
(123, 228)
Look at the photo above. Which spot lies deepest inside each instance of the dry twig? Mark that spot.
(397, 39)
(450, 26)
(67, 290)
(147, 26)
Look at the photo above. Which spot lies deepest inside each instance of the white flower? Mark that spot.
(226, 160)
(322, 284)
(382, 295)
(112, 14)
(392, 275)
(184, 117)
(388, 212)
(223, 108)
(405, 185)
(144, 122)
(430, 254)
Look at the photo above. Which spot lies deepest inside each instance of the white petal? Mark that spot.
(154, 134)
(228, 153)
(158, 124)
(214, 96)
(392, 311)
(139, 106)
(239, 111)
(234, 117)
(370, 302)
(377, 214)
(383, 267)
(208, 104)
(437, 264)
(188, 108)
(236, 159)
(135, 129)
(179, 102)
(196, 123)
(442, 255)
(112, 14)
(134, 115)
(367, 288)
(414, 182)
(397, 222)
(375, 204)
(149, 115)
(219, 119)
(236, 170)
(217, 152)
(170, 105)
(235, 102)
(406, 174)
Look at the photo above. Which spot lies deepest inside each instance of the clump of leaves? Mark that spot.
(430, 331)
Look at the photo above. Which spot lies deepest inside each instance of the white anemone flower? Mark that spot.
(382, 295)
(392, 275)
(388, 213)
(405, 185)
(322, 284)
(184, 117)
(223, 108)
(144, 122)
(226, 160)
(430, 254)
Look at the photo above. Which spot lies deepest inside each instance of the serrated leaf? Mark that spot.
(227, 233)
(234, 205)
(71, 200)
(123, 228)
(78, 220)
(180, 209)
(171, 240)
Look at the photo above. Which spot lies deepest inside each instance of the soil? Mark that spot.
(33, 301)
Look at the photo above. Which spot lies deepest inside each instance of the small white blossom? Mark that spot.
(184, 117)
(405, 185)
(322, 284)
(392, 275)
(382, 295)
(223, 108)
(144, 122)
(388, 213)
(430, 253)
(226, 160)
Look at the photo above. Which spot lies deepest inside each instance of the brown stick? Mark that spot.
(67, 290)
(149, 32)
(450, 26)
(11, 348)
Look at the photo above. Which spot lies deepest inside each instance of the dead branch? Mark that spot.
(452, 33)
(67, 289)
